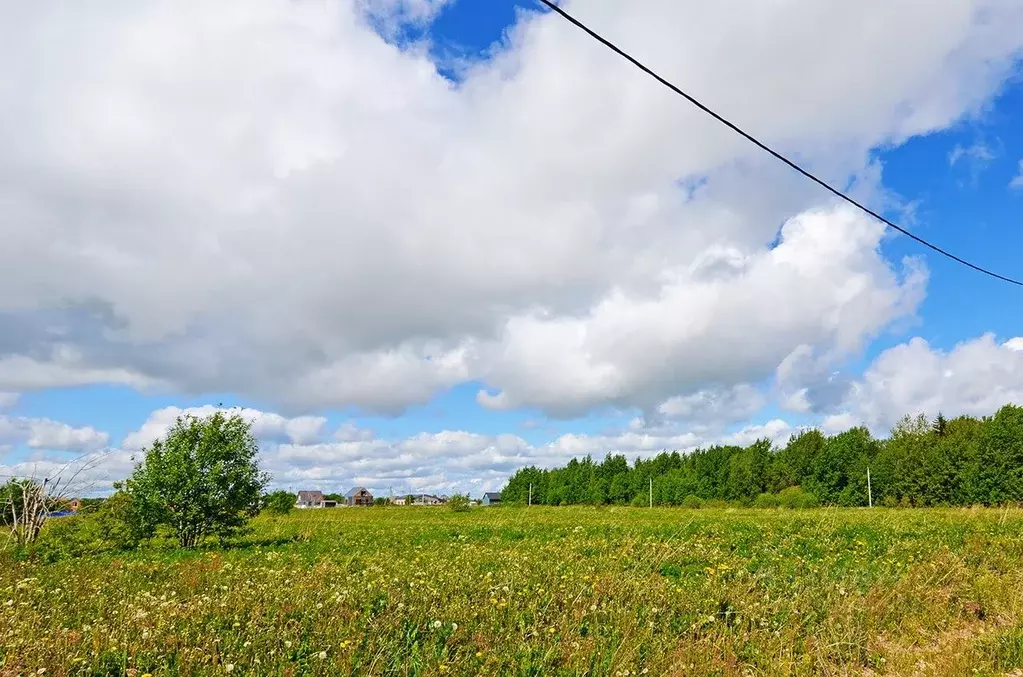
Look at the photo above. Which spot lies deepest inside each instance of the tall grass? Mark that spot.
(539, 591)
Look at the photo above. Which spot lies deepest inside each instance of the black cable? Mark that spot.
(752, 139)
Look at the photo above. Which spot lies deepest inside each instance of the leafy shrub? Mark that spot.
(278, 503)
(692, 501)
(115, 524)
(121, 522)
(795, 497)
(459, 503)
(202, 479)
(68, 537)
(767, 501)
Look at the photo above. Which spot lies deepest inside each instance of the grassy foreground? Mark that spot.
(540, 591)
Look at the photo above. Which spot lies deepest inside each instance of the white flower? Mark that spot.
(454, 626)
(323, 655)
(436, 624)
(287, 643)
(229, 667)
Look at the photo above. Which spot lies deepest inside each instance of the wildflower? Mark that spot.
(247, 644)
(287, 643)
(323, 655)
(454, 626)
(436, 624)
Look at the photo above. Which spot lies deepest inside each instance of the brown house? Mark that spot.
(310, 499)
(74, 505)
(359, 496)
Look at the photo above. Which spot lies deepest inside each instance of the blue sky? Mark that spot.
(424, 242)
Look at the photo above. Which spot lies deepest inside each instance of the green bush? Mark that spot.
(278, 503)
(767, 501)
(692, 501)
(459, 503)
(795, 497)
(201, 479)
(67, 538)
(114, 524)
(121, 522)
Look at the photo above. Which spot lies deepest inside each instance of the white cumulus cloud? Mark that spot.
(976, 377)
(43, 433)
(265, 426)
(266, 197)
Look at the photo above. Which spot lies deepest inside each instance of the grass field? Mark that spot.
(540, 591)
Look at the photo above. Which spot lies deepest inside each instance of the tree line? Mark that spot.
(944, 462)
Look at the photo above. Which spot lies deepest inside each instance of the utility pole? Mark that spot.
(651, 492)
(530, 494)
(870, 494)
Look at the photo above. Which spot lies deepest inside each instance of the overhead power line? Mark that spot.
(760, 144)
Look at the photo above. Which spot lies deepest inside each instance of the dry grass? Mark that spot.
(420, 591)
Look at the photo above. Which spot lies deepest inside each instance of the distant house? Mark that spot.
(358, 496)
(312, 499)
(399, 500)
(492, 498)
(427, 499)
(74, 505)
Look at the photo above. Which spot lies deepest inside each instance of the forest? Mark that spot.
(944, 462)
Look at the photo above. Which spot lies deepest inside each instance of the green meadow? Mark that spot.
(537, 591)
